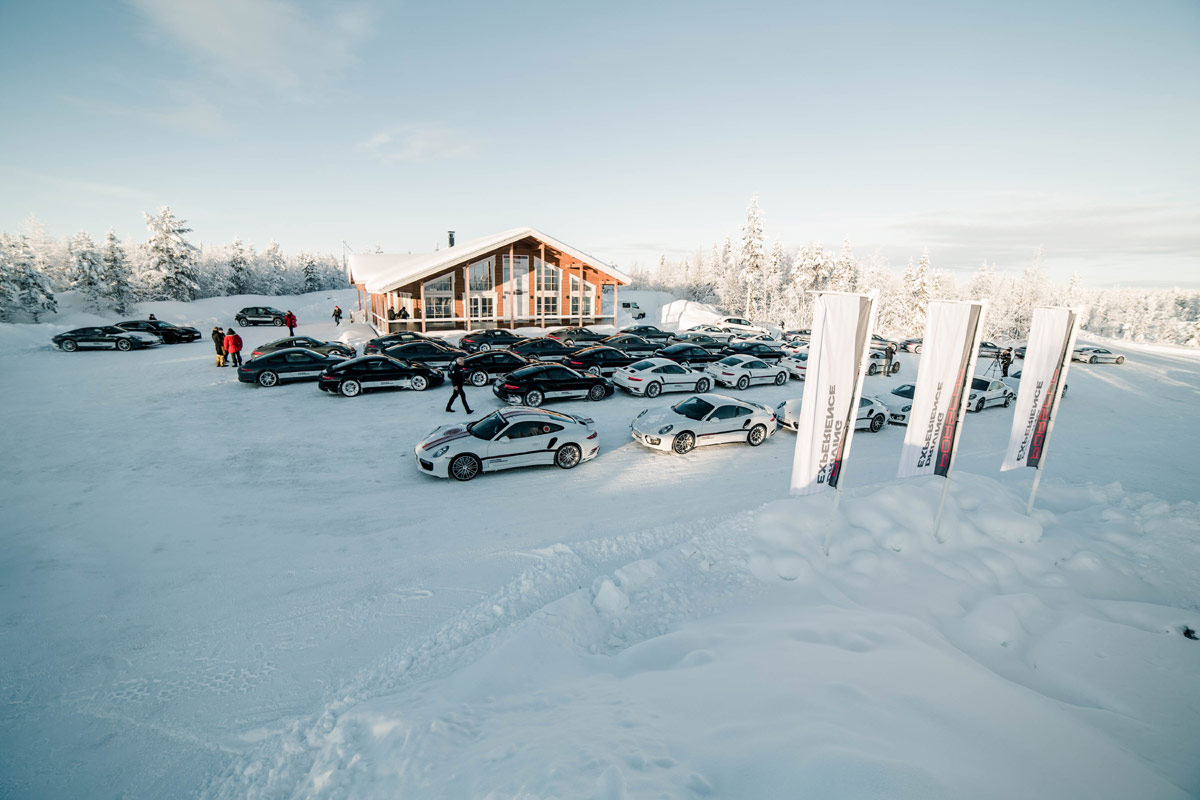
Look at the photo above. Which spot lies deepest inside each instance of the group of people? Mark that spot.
(229, 347)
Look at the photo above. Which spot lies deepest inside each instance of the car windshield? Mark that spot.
(907, 390)
(488, 427)
(638, 366)
(979, 384)
(731, 361)
(693, 408)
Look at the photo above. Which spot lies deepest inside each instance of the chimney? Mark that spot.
(451, 233)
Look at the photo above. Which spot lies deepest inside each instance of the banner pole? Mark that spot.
(937, 525)
(1037, 478)
(837, 501)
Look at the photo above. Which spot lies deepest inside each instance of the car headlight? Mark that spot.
(906, 409)
(665, 429)
(972, 397)
(441, 451)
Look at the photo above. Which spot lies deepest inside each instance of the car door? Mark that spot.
(758, 371)
(302, 365)
(722, 425)
(675, 378)
(504, 362)
(528, 442)
(997, 391)
(863, 419)
(562, 382)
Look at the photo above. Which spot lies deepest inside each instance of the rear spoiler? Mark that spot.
(582, 420)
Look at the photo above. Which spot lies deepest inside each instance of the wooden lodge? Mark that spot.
(518, 278)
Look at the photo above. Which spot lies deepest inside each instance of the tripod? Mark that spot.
(994, 366)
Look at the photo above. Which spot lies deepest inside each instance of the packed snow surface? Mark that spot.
(212, 589)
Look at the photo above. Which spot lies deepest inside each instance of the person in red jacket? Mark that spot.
(290, 321)
(233, 348)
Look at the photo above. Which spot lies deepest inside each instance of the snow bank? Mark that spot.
(1022, 658)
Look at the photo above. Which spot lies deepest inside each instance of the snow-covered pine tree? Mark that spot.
(753, 263)
(729, 287)
(118, 277)
(87, 276)
(308, 268)
(774, 309)
(916, 284)
(51, 257)
(240, 278)
(845, 270)
(983, 283)
(274, 270)
(24, 289)
(171, 263)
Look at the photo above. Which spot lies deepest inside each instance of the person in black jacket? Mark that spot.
(457, 378)
(1005, 362)
(218, 337)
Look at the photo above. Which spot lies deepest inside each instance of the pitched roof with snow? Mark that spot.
(383, 272)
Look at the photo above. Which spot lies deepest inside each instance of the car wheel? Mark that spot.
(1120, 359)
(758, 435)
(781, 379)
(124, 344)
(743, 382)
(895, 367)
(979, 405)
(685, 364)
(596, 393)
(703, 385)
(877, 423)
(1093, 360)
(568, 456)
(872, 369)
(267, 378)
(277, 322)
(479, 378)
(419, 383)
(654, 389)
(350, 388)
(569, 342)
(917, 349)
(594, 369)
(1007, 400)
(464, 467)
(533, 398)
(483, 348)
(69, 345)
(684, 443)
(241, 321)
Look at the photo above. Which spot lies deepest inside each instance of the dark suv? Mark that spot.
(260, 315)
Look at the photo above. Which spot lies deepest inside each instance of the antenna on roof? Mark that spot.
(451, 237)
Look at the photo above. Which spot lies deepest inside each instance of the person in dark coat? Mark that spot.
(337, 315)
(890, 353)
(403, 312)
(218, 338)
(290, 321)
(153, 318)
(457, 379)
(1005, 361)
(233, 348)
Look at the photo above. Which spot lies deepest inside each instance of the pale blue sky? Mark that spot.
(977, 130)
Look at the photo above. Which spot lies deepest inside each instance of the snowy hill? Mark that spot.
(212, 589)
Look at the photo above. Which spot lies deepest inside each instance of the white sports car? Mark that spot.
(1096, 355)
(704, 419)
(872, 414)
(765, 338)
(719, 334)
(989, 392)
(796, 365)
(878, 363)
(738, 325)
(653, 376)
(899, 403)
(741, 371)
(510, 437)
(1014, 382)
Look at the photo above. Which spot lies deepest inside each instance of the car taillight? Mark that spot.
(592, 435)
(633, 378)
(511, 386)
(575, 363)
(728, 374)
(257, 353)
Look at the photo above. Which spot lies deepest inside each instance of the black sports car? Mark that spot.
(544, 349)
(756, 349)
(104, 337)
(165, 331)
(381, 343)
(488, 339)
(570, 336)
(482, 367)
(435, 354)
(602, 360)
(698, 339)
(533, 385)
(686, 354)
(260, 315)
(647, 332)
(308, 343)
(349, 378)
(296, 364)
(631, 343)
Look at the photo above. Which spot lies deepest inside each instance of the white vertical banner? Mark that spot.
(1047, 358)
(948, 353)
(837, 355)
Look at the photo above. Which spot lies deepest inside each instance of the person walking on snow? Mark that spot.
(457, 379)
(233, 347)
(218, 338)
(290, 321)
(337, 316)
(890, 353)
(1005, 362)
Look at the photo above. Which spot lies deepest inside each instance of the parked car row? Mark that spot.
(128, 335)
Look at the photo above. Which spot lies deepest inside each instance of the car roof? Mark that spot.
(719, 399)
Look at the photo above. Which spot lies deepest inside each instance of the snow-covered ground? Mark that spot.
(219, 590)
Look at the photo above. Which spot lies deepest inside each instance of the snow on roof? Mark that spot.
(383, 272)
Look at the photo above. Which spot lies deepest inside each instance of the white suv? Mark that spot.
(737, 324)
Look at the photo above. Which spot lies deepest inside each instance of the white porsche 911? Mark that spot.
(1096, 355)
(872, 414)
(989, 392)
(704, 419)
(653, 376)
(796, 364)
(741, 371)
(899, 403)
(511, 437)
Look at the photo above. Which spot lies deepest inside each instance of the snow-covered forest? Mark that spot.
(746, 277)
(112, 274)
